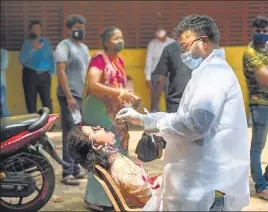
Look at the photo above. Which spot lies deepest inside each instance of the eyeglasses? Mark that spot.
(188, 46)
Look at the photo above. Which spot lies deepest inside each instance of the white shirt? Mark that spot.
(154, 52)
(207, 143)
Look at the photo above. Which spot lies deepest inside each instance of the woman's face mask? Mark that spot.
(191, 58)
(119, 46)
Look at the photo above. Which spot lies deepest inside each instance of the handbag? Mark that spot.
(150, 147)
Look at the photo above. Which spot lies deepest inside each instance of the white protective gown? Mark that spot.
(207, 143)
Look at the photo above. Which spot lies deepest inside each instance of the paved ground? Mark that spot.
(73, 196)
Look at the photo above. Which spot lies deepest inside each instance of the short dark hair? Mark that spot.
(74, 19)
(159, 25)
(107, 34)
(260, 22)
(36, 22)
(200, 24)
(80, 148)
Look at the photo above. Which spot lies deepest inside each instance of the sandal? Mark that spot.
(70, 180)
(262, 196)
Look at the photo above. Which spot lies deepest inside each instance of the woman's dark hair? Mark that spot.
(75, 19)
(107, 34)
(80, 148)
(36, 22)
(260, 22)
(200, 24)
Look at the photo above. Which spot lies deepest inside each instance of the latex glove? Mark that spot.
(130, 115)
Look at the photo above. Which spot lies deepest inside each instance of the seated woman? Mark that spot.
(92, 145)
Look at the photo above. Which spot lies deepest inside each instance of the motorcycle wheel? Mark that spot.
(34, 162)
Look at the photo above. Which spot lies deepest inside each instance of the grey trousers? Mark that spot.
(67, 125)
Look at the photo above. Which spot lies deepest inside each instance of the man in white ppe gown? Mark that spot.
(207, 138)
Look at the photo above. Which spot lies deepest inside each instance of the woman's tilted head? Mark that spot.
(80, 147)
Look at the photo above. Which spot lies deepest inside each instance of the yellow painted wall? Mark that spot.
(134, 60)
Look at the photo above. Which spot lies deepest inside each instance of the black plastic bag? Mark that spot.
(150, 147)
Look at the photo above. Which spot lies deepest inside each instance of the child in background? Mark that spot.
(130, 87)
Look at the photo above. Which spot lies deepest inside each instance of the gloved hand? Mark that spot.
(130, 115)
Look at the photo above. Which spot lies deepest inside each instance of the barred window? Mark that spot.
(137, 19)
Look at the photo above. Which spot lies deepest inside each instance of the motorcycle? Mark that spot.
(27, 178)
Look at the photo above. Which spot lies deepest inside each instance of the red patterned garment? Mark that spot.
(113, 76)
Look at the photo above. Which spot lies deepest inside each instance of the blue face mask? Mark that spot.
(188, 60)
(260, 38)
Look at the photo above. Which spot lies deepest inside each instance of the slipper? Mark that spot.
(264, 197)
(70, 180)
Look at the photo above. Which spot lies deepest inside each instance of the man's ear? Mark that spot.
(69, 31)
(205, 43)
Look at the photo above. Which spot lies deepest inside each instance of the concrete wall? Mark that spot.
(134, 62)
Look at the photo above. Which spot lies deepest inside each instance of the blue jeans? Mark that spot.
(259, 135)
(4, 110)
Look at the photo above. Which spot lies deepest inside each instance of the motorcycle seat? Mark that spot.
(14, 125)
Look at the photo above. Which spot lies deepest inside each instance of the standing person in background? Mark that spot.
(72, 58)
(255, 61)
(154, 51)
(37, 59)
(171, 68)
(4, 64)
(106, 93)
